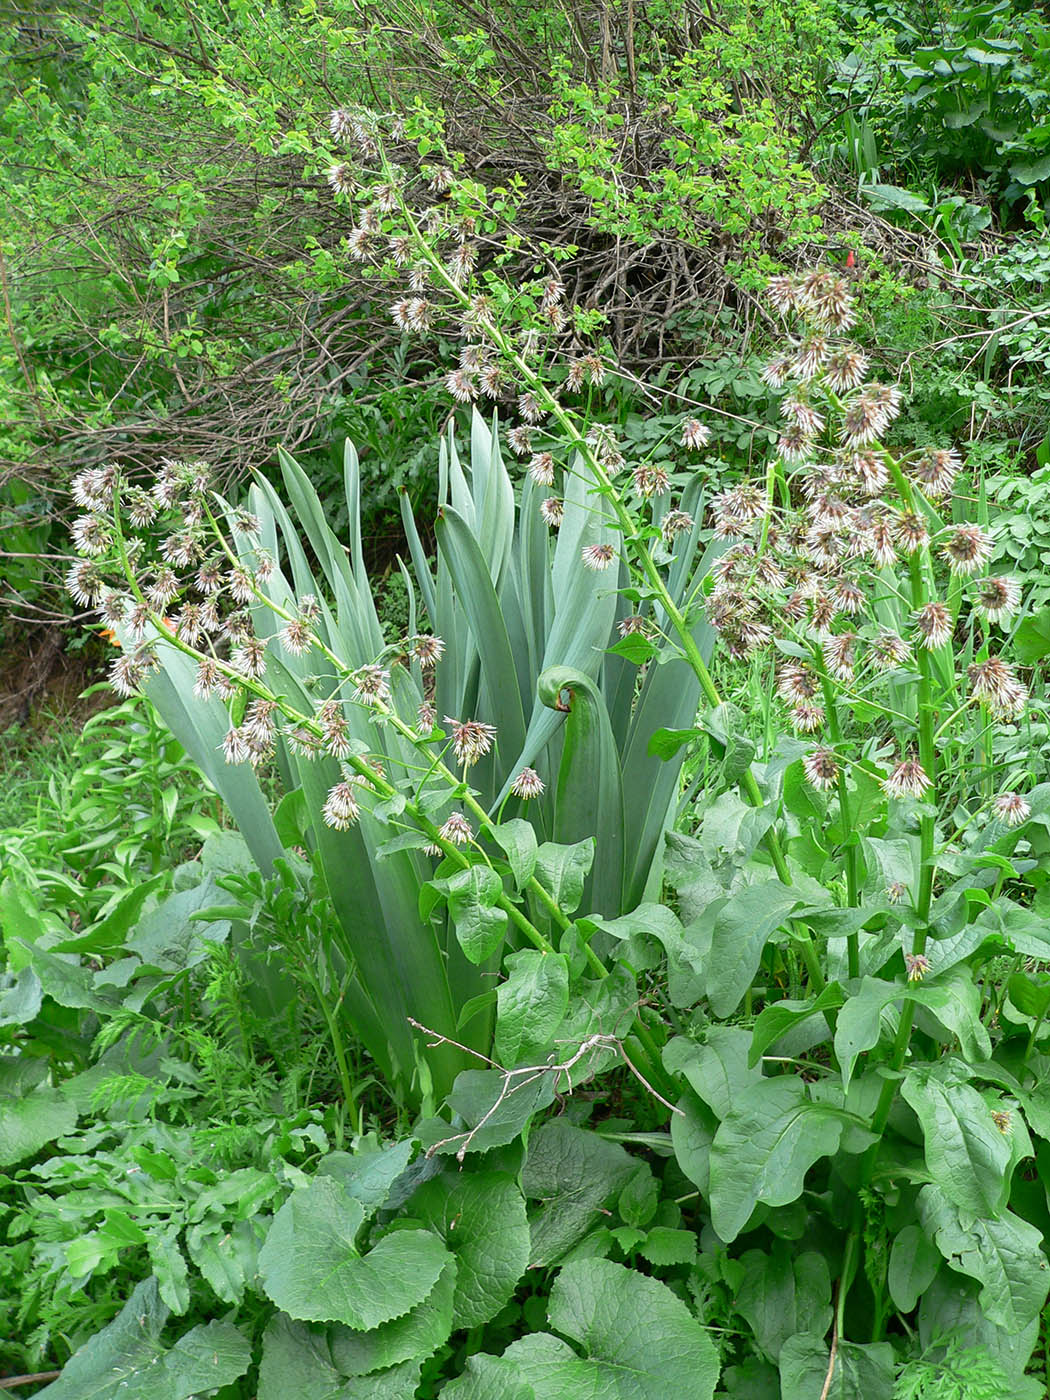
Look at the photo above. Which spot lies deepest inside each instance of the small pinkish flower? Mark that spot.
(597, 556)
(427, 717)
(918, 965)
(694, 434)
(527, 784)
(1012, 808)
(371, 685)
(457, 830)
(967, 549)
(934, 625)
(552, 511)
(821, 768)
(471, 739)
(896, 892)
(341, 809)
(427, 650)
(997, 598)
(908, 779)
(541, 469)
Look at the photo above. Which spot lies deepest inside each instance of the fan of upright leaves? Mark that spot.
(512, 607)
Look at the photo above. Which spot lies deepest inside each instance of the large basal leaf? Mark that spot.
(297, 1361)
(967, 1155)
(127, 1361)
(763, 1148)
(28, 1124)
(861, 1372)
(369, 1174)
(571, 1173)
(21, 996)
(639, 1338)
(1005, 1256)
(481, 1218)
(783, 1292)
(311, 1268)
(530, 1005)
(741, 929)
(413, 1337)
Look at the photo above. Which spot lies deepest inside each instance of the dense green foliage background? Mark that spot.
(199, 1095)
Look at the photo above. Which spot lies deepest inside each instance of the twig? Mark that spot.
(529, 1074)
(831, 1360)
(9, 1382)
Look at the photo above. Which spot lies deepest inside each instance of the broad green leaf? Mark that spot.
(20, 997)
(127, 1361)
(913, 1263)
(28, 1124)
(481, 1218)
(297, 1360)
(741, 929)
(693, 1130)
(639, 1338)
(369, 1173)
(531, 1005)
(954, 999)
(571, 1173)
(717, 1067)
(966, 1153)
(779, 1017)
(491, 1378)
(311, 1268)
(1004, 1255)
(517, 839)
(416, 1335)
(492, 1107)
(169, 1269)
(479, 923)
(860, 1372)
(1029, 992)
(764, 1146)
(783, 1292)
(562, 871)
(859, 1024)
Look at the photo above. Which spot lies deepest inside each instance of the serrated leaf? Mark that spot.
(531, 1004)
(412, 1337)
(966, 1153)
(763, 1148)
(297, 1361)
(369, 1174)
(481, 1217)
(28, 1124)
(665, 1246)
(311, 1268)
(640, 1341)
(127, 1361)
